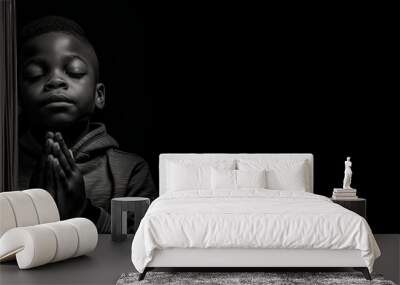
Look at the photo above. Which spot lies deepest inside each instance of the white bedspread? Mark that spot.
(250, 218)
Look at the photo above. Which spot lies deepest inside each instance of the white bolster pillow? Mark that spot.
(45, 205)
(7, 218)
(87, 235)
(22, 207)
(26, 208)
(40, 244)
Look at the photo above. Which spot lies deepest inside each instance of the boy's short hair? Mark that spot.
(57, 24)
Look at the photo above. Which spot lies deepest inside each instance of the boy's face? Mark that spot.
(59, 86)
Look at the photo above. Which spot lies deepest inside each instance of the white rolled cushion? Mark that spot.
(33, 246)
(45, 205)
(26, 208)
(23, 208)
(67, 240)
(191, 174)
(40, 244)
(7, 218)
(251, 178)
(87, 235)
(281, 174)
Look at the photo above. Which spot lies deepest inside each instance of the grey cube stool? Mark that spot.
(119, 209)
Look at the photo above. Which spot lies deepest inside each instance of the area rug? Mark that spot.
(268, 278)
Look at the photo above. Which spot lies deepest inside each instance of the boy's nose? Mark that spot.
(55, 83)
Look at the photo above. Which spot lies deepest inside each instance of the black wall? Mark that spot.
(254, 80)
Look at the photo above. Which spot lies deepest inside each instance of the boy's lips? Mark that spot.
(57, 98)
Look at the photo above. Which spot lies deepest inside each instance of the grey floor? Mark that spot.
(389, 262)
(102, 266)
(110, 260)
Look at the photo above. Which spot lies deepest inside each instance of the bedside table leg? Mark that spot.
(118, 221)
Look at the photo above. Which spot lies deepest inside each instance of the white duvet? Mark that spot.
(250, 218)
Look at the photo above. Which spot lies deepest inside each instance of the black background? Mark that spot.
(244, 79)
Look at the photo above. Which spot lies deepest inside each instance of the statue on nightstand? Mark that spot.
(347, 174)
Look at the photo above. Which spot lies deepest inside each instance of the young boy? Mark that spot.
(62, 151)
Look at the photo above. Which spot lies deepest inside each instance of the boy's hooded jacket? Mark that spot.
(107, 171)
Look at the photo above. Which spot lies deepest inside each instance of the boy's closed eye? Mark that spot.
(73, 67)
(76, 68)
(33, 71)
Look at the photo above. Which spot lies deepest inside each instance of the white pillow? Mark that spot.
(183, 177)
(236, 179)
(223, 179)
(287, 174)
(193, 174)
(251, 178)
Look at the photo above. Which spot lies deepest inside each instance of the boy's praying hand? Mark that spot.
(58, 173)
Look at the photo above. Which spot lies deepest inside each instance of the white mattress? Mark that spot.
(251, 218)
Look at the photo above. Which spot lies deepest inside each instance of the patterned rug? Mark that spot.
(269, 278)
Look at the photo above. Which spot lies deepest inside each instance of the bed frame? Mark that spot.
(243, 259)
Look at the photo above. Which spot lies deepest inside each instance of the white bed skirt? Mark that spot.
(195, 257)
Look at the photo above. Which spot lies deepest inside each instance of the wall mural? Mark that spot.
(203, 80)
(64, 145)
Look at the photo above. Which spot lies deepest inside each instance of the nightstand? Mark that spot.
(358, 205)
(119, 208)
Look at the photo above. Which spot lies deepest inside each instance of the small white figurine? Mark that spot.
(347, 174)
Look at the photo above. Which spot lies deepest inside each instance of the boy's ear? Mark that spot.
(100, 98)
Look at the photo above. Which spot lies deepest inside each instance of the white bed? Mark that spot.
(282, 224)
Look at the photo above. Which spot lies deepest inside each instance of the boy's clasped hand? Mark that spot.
(58, 173)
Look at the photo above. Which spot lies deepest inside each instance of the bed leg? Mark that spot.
(364, 271)
(142, 275)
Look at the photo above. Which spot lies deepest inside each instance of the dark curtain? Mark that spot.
(8, 96)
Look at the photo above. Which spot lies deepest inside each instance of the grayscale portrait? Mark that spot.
(65, 141)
